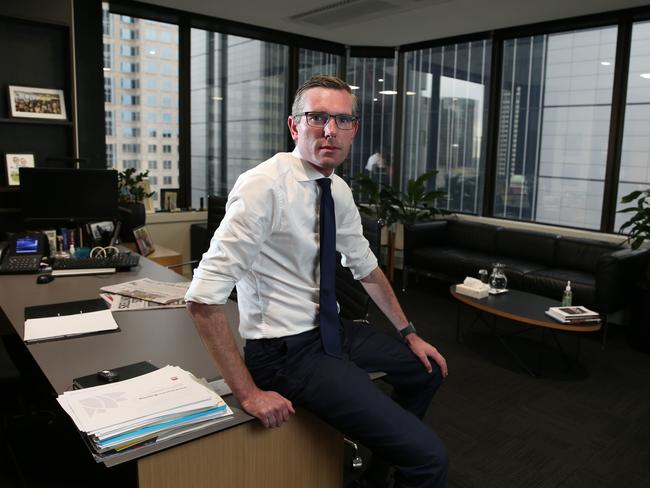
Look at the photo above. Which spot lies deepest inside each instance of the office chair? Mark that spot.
(372, 227)
(216, 212)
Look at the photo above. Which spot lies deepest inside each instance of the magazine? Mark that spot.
(577, 314)
(121, 303)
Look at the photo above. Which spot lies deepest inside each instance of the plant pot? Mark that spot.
(132, 216)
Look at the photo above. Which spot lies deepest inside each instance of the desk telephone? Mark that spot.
(22, 253)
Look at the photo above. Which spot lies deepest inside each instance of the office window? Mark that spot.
(129, 116)
(166, 53)
(127, 67)
(317, 63)
(252, 104)
(131, 163)
(108, 56)
(153, 180)
(126, 50)
(131, 132)
(128, 34)
(166, 148)
(373, 81)
(109, 122)
(166, 85)
(129, 84)
(110, 156)
(634, 173)
(108, 89)
(107, 25)
(167, 69)
(556, 95)
(167, 134)
(166, 102)
(130, 100)
(167, 164)
(131, 124)
(169, 37)
(167, 180)
(445, 120)
(152, 165)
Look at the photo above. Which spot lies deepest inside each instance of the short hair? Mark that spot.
(321, 81)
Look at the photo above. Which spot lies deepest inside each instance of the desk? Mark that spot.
(237, 452)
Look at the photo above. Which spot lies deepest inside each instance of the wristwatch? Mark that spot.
(409, 329)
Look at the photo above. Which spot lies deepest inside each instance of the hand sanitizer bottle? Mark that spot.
(567, 296)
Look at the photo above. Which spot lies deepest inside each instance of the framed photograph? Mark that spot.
(169, 199)
(143, 241)
(13, 163)
(37, 103)
(101, 232)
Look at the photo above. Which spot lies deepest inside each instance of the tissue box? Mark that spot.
(472, 292)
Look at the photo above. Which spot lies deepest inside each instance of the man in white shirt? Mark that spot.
(268, 246)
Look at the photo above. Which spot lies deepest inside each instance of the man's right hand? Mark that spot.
(270, 407)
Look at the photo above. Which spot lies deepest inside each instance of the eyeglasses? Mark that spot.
(103, 252)
(321, 119)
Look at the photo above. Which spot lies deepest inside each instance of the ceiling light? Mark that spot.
(375, 99)
(107, 69)
(380, 80)
(410, 93)
(353, 87)
(605, 63)
(152, 51)
(388, 92)
(645, 75)
(217, 98)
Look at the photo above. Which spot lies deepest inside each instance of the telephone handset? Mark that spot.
(23, 253)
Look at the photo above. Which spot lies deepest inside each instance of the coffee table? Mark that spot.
(524, 308)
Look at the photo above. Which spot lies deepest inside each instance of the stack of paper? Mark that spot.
(573, 315)
(152, 407)
(150, 290)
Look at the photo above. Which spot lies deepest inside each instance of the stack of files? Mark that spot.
(153, 407)
(574, 315)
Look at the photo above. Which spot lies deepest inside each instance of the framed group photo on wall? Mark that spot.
(37, 103)
(13, 163)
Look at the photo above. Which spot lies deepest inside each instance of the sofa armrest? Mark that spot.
(616, 273)
(423, 234)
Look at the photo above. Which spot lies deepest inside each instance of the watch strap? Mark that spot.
(409, 329)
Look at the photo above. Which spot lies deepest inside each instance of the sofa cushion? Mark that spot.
(580, 254)
(472, 235)
(444, 260)
(527, 245)
(551, 282)
(514, 269)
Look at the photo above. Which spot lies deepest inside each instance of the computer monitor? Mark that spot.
(57, 196)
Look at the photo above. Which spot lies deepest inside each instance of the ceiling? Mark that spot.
(393, 22)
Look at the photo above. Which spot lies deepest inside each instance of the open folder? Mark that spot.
(68, 319)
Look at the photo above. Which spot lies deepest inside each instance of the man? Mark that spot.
(269, 244)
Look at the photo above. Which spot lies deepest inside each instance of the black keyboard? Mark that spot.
(21, 264)
(121, 262)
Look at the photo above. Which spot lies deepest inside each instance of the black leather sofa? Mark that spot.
(601, 274)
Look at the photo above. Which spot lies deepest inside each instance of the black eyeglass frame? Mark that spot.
(354, 119)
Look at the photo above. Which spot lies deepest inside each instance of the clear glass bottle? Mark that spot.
(498, 280)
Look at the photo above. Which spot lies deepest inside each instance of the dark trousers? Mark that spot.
(339, 391)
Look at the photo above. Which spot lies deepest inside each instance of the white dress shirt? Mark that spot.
(268, 246)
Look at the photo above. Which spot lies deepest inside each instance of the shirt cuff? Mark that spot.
(209, 291)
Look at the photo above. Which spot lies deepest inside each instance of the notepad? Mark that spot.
(62, 320)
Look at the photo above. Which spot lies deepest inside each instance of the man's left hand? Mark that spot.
(423, 350)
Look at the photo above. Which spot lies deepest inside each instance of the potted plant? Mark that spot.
(416, 204)
(131, 194)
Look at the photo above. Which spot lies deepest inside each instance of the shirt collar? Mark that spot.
(303, 171)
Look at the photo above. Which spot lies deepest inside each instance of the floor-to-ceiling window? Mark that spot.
(141, 98)
(374, 83)
(444, 122)
(635, 153)
(556, 97)
(311, 63)
(239, 108)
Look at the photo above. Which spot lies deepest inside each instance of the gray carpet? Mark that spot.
(587, 426)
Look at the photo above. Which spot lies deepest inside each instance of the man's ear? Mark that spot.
(293, 127)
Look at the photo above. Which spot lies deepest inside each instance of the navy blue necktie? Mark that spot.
(329, 316)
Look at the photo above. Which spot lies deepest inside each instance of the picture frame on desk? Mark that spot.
(37, 103)
(169, 199)
(13, 163)
(143, 241)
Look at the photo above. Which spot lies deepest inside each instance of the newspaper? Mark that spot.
(121, 303)
(149, 290)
